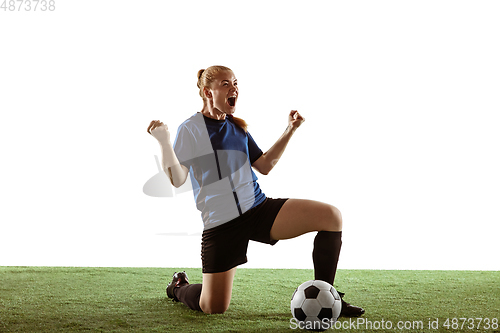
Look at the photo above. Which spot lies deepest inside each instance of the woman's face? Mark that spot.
(224, 92)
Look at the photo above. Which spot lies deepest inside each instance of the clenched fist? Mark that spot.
(295, 120)
(160, 131)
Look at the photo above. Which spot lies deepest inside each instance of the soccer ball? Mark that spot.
(316, 305)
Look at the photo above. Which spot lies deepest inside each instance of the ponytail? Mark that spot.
(240, 122)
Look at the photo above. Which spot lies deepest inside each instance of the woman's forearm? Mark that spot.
(174, 170)
(272, 156)
(268, 160)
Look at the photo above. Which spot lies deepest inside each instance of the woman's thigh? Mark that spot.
(216, 291)
(299, 216)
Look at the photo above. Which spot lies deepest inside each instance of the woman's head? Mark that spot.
(219, 89)
(218, 85)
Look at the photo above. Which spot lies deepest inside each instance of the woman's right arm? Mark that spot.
(175, 171)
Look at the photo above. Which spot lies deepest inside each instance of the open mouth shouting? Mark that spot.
(231, 101)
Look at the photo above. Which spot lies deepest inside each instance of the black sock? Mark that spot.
(190, 295)
(325, 255)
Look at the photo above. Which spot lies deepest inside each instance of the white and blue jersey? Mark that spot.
(219, 155)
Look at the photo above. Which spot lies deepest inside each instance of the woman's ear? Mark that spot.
(207, 92)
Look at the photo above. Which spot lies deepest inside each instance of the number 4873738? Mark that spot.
(471, 323)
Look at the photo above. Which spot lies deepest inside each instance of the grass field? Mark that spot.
(73, 299)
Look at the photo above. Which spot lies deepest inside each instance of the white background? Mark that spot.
(401, 100)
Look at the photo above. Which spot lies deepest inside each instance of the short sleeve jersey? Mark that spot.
(219, 155)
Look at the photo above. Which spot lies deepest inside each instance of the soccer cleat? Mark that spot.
(349, 310)
(178, 280)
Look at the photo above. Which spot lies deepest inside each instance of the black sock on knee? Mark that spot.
(325, 255)
(190, 295)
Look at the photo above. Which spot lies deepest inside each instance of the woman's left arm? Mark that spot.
(268, 160)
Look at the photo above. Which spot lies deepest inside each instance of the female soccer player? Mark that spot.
(218, 153)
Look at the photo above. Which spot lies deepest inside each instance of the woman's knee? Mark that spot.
(214, 306)
(334, 219)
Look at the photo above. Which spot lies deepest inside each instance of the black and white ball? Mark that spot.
(315, 303)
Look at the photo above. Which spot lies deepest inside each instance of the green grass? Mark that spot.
(62, 299)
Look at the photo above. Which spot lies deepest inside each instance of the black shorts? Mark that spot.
(225, 246)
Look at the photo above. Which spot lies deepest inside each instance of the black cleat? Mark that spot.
(178, 280)
(349, 310)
